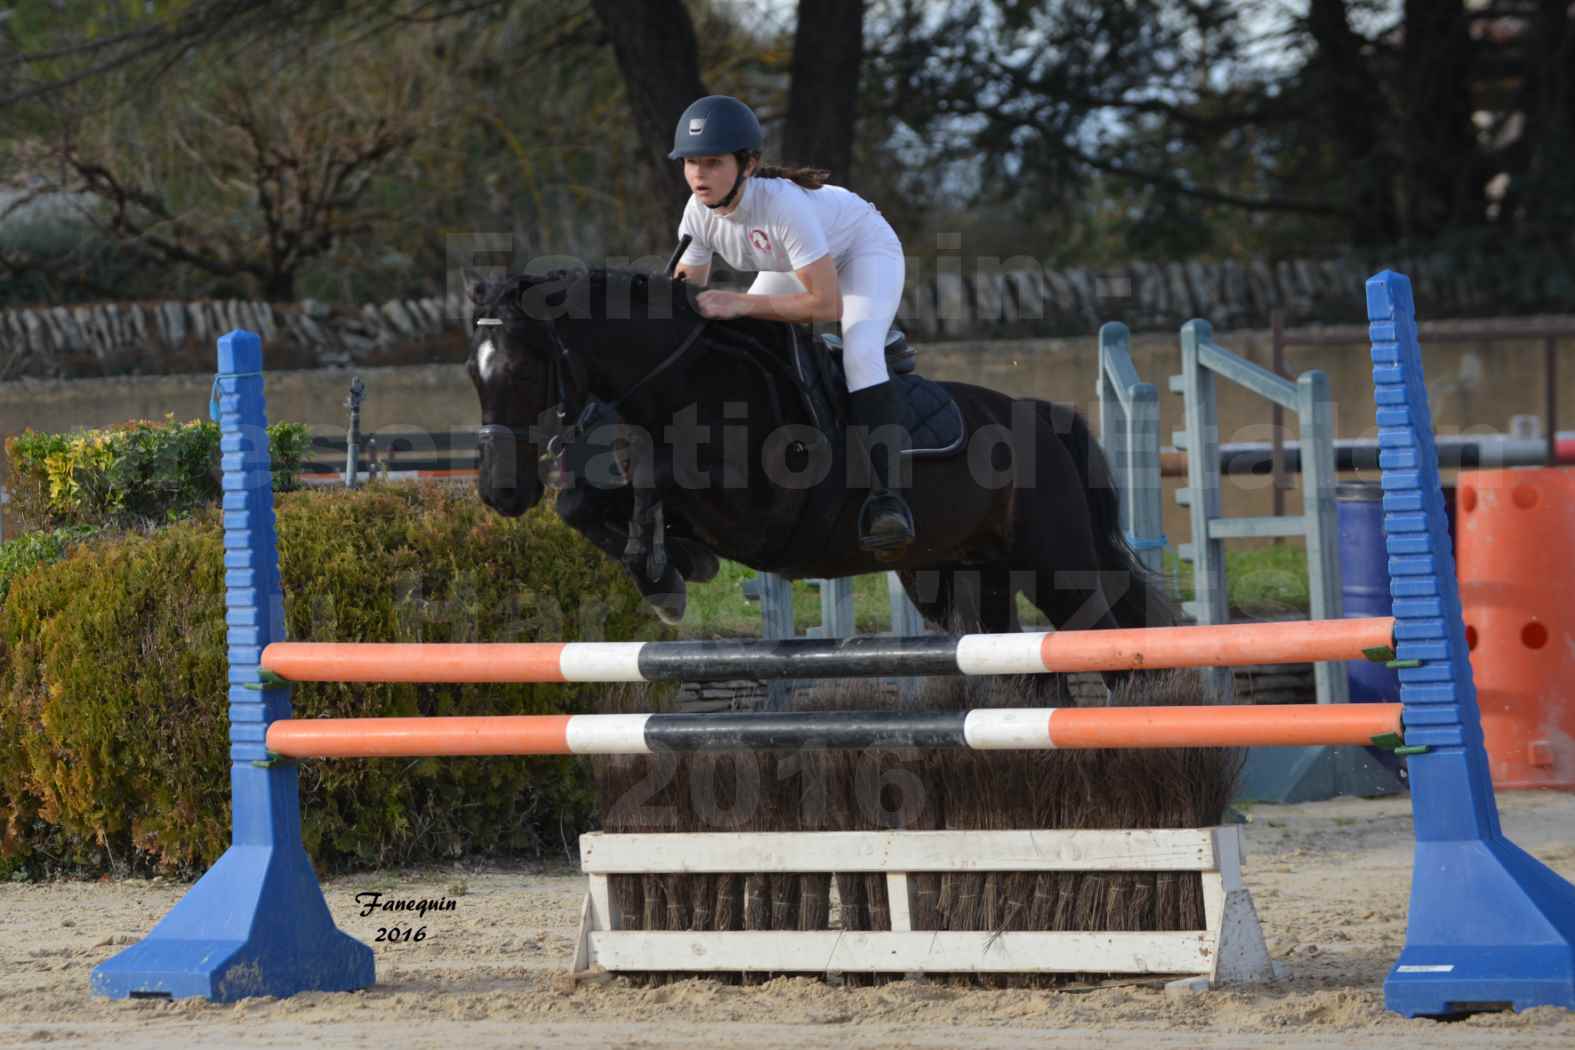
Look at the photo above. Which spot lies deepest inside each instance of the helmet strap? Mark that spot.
(738, 182)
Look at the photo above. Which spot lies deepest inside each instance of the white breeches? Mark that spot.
(871, 292)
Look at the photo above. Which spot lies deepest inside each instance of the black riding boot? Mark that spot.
(885, 522)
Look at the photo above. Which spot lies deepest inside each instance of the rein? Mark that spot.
(564, 360)
(669, 362)
(567, 372)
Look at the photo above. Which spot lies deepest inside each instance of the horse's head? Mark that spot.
(595, 335)
(511, 365)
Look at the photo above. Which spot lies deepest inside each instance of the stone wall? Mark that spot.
(946, 298)
(110, 339)
(1474, 388)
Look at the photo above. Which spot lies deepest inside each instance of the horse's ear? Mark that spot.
(475, 286)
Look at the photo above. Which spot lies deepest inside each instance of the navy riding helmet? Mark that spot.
(716, 125)
(713, 127)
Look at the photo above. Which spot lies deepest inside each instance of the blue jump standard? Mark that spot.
(256, 923)
(1490, 927)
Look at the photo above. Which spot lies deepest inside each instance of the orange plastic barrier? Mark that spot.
(1515, 533)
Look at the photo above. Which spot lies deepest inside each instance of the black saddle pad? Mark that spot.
(931, 416)
(929, 413)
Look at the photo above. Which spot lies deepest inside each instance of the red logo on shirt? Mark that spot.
(759, 239)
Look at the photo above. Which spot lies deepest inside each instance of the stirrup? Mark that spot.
(888, 510)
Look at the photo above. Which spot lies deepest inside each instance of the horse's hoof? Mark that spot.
(698, 564)
(667, 595)
(657, 564)
(669, 608)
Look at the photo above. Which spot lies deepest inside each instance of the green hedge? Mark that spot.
(33, 549)
(113, 730)
(133, 474)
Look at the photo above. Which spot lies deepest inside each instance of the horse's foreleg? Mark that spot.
(648, 547)
(657, 562)
(639, 554)
(591, 512)
(597, 514)
(673, 535)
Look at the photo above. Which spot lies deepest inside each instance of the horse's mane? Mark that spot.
(644, 287)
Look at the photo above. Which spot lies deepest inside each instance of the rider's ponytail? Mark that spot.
(809, 178)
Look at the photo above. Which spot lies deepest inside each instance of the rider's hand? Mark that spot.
(720, 305)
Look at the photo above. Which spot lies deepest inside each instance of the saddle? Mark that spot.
(816, 373)
(930, 416)
(813, 367)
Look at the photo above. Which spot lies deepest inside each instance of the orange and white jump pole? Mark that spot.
(1221, 645)
(994, 729)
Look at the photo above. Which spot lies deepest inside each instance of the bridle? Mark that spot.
(567, 372)
(563, 366)
(667, 364)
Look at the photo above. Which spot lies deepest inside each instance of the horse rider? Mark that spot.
(823, 253)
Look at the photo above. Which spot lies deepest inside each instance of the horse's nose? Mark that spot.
(499, 452)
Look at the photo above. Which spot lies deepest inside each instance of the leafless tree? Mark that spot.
(249, 180)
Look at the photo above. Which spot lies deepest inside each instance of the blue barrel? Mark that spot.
(1364, 572)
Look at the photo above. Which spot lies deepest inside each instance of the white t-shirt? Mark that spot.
(781, 226)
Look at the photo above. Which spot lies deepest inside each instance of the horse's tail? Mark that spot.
(1144, 602)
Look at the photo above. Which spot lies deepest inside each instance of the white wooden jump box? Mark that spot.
(1229, 950)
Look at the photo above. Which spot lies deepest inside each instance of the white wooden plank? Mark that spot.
(1213, 901)
(1215, 883)
(596, 894)
(897, 901)
(838, 951)
(1183, 849)
(582, 942)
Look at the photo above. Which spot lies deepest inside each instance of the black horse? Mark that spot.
(720, 438)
